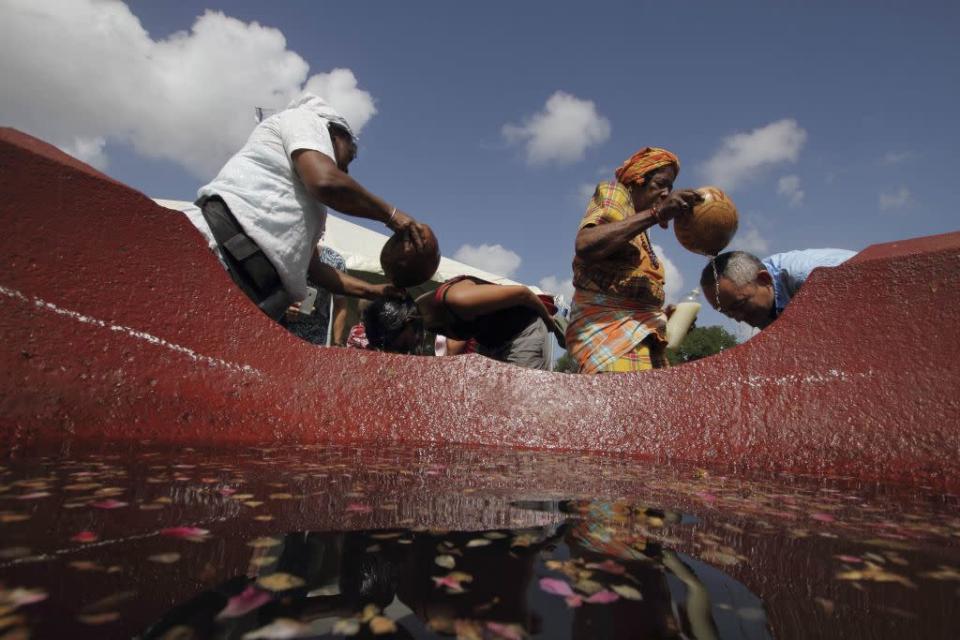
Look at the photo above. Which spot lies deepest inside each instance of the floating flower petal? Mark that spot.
(85, 536)
(109, 503)
(603, 597)
(280, 582)
(194, 534)
(244, 602)
(556, 587)
(627, 592)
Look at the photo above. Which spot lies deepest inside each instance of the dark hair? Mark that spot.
(384, 320)
(739, 266)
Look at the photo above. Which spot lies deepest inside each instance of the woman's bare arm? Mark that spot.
(599, 241)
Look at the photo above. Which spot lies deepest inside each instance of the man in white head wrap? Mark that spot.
(267, 208)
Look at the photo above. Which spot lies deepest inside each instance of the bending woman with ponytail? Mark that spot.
(510, 323)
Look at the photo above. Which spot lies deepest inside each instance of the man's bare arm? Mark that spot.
(335, 188)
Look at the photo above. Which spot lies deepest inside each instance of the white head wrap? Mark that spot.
(320, 107)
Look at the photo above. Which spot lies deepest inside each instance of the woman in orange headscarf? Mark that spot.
(617, 322)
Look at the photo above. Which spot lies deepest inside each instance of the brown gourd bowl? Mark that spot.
(710, 227)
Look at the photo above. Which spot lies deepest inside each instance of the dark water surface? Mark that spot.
(407, 542)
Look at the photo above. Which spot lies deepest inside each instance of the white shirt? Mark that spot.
(264, 193)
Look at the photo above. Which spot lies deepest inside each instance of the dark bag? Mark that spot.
(246, 262)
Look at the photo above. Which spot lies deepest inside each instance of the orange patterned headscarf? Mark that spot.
(643, 162)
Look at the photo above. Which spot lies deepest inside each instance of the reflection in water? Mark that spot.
(469, 542)
(596, 574)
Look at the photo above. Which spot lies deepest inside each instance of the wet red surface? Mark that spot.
(118, 324)
(99, 545)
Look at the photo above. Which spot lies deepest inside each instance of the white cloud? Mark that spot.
(673, 281)
(896, 157)
(789, 188)
(750, 239)
(554, 285)
(90, 150)
(562, 132)
(743, 155)
(339, 88)
(489, 257)
(87, 73)
(895, 200)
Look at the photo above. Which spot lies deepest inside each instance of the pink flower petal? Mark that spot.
(573, 601)
(356, 507)
(603, 597)
(556, 587)
(450, 582)
(846, 558)
(190, 533)
(609, 566)
(109, 503)
(246, 601)
(507, 631)
(823, 517)
(85, 536)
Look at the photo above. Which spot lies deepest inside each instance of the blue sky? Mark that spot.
(832, 124)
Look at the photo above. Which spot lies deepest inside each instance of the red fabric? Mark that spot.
(549, 303)
(442, 289)
(358, 337)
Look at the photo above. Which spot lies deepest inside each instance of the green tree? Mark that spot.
(700, 343)
(566, 364)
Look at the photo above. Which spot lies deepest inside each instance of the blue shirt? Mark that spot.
(791, 269)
